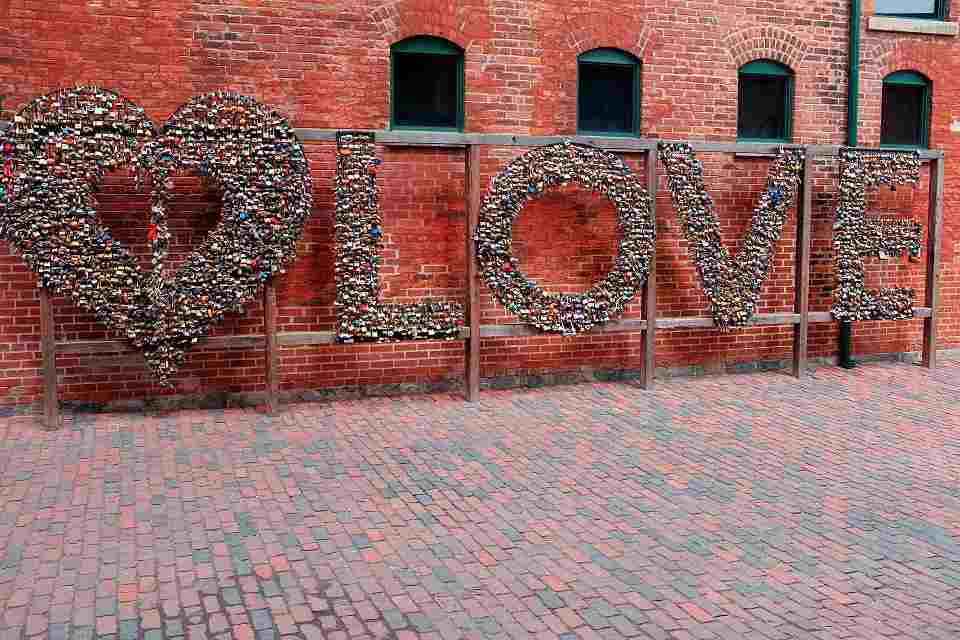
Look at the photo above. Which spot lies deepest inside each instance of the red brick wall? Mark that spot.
(326, 65)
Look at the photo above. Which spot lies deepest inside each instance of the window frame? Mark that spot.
(766, 68)
(431, 45)
(907, 78)
(940, 12)
(610, 56)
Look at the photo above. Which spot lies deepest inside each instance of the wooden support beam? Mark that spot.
(396, 138)
(801, 268)
(816, 317)
(48, 348)
(650, 286)
(526, 330)
(306, 338)
(270, 346)
(934, 231)
(620, 326)
(833, 150)
(252, 341)
(758, 320)
(472, 347)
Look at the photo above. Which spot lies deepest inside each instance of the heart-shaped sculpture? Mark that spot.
(55, 157)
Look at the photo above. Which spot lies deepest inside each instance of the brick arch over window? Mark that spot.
(458, 22)
(466, 23)
(763, 42)
(586, 37)
(564, 36)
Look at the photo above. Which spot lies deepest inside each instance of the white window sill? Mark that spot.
(912, 25)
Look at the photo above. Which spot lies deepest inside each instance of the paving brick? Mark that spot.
(622, 508)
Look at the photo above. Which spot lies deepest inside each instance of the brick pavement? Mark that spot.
(746, 506)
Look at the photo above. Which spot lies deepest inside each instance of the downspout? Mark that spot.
(853, 110)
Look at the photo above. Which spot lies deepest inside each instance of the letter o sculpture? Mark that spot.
(527, 177)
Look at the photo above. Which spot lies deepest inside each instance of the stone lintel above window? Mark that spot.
(912, 25)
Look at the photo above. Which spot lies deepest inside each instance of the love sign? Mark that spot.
(61, 145)
(55, 157)
(732, 283)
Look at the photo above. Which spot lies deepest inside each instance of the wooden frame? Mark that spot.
(474, 331)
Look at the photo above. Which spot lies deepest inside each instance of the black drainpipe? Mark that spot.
(853, 101)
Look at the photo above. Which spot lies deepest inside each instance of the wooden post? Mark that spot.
(650, 287)
(48, 347)
(270, 344)
(934, 231)
(472, 346)
(801, 266)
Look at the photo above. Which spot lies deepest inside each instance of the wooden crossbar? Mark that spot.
(389, 137)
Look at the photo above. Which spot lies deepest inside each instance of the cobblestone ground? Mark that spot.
(748, 506)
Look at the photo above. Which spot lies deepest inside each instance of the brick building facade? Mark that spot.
(327, 65)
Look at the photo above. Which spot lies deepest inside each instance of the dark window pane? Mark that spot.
(606, 98)
(901, 118)
(761, 107)
(906, 6)
(426, 90)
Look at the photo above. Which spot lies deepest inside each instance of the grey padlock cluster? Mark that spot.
(59, 149)
(731, 284)
(361, 315)
(528, 177)
(857, 236)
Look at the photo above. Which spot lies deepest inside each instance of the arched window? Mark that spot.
(764, 101)
(426, 84)
(905, 110)
(608, 93)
